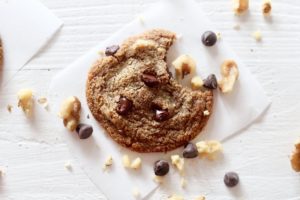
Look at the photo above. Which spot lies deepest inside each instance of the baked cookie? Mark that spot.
(138, 102)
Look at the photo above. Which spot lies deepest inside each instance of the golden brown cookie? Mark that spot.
(137, 101)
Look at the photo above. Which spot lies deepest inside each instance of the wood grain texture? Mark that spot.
(33, 155)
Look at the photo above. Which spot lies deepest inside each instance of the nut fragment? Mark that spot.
(257, 35)
(200, 198)
(266, 7)
(136, 163)
(295, 157)
(9, 108)
(184, 65)
(240, 6)
(183, 182)
(126, 161)
(175, 197)
(196, 82)
(25, 97)
(108, 162)
(135, 192)
(158, 179)
(70, 112)
(209, 149)
(178, 162)
(68, 165)
(230, 74)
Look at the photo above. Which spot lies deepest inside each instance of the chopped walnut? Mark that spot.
(178, 162)
(196, 82)
(266, 7)
(108, 162)
(158, 179)
(175, 197)
(295, 157)
(184, 65)
(70, 112)
(25, 97)
(257, 35)
(209, 149)
(230, 74)
(9, 108)
(183, 182)
(136, 163)
(240, 6)
(126, 161)
(200, 198)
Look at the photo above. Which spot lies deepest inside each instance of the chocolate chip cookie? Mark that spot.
(135, 98)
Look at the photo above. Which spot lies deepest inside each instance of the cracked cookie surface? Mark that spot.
(137, 101)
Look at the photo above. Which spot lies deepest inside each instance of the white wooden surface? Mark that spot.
(32, 154)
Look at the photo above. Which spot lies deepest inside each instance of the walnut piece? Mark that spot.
(200, 198)
(240, 6)
(230, 74)
(25, 97)
(175, 197)
(295, 157)
(126, 161)
(178, 162)
(184, 65)
(196, 82)
(108, 162)
(136, 163)
(266, 7)
(209, 149)
(257, 35)
(70, 112)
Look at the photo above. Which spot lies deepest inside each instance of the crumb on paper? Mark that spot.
(141, 19)
(266, 7)
(44, 102)
(126, 161)
(158, 179)
(209, 149)
(9, 108)
(178, 162)
(257, 35)
(108, 162)
(295, 157)
(135, 192)
(101, 53)
(236, 27)
(206, 113)
(200, 198)
(70, 112)
(68, 165)
(240, 6)
(218, 36)
(25, 97)
(196, 82)
(136, 163)
(175, 197)
(183, 182)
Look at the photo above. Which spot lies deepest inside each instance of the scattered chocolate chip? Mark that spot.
(84, 131)
(124, 106)
(231, 179)
(209, 38)
(149, 80)
(161, 115)
(161, 167)
(211, 82)
(190, 151)
(111, 50)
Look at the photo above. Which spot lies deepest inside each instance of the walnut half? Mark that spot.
(70, 112)
(295, 157)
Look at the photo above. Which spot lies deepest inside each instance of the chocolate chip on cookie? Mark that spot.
(149, 79)
(124, 106)
(211, 82)
(111, 50)
(139, 73)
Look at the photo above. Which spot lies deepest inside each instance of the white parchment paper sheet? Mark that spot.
(231, 113)
(25, 26)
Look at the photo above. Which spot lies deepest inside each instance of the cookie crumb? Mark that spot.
(257, 35)
(237, 27)
(178, 162)
(126, 161)
(25, 97)
(158, 179)
(43, 101)
(9, 108)
(183, 182)
(135, 192)
(136, 163)
(108, 162)
(175, 197)
(295, 157)
(68, 165)
(209, 149)
(206, 113)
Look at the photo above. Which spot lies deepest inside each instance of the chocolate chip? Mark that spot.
(161, 115)
(149, 80)
(161, 167)
(231, 179)
(190, 151)
(124, 106)
(111, 50)
(84, 131)
(211, 82)
(209, 38)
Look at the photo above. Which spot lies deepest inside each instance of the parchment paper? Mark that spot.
(231, 113)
